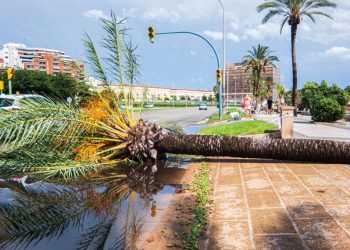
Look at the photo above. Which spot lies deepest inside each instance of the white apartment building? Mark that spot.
(51, 61)
(17, 55)
(156, 93)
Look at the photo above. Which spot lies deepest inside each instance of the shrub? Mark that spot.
(326, 110)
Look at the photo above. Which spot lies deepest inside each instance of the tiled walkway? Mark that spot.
(276, 205)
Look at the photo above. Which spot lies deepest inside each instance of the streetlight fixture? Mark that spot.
(152, 34)
(223, 56)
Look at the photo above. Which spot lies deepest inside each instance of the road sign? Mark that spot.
(69, 100)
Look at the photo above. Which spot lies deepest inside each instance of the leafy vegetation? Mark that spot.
(240, 128)
(257, 60)
(292, 12)
(54, 139)
(326, 110)
(56, 86)
(201, 186)
(326, 103)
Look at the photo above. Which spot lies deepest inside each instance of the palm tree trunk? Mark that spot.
(294, 28)
(279, 149)
(258, 83)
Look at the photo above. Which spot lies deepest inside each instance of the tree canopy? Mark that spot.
(326, 103)
(55, 86)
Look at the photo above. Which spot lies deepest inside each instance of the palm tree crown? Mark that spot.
(257, 59)
(292, 11)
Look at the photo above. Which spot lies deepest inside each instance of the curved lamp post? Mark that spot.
(223, 87)
(152, 33)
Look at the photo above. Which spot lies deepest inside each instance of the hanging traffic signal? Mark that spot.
(10, 73)
(151, 34)
(218, 76)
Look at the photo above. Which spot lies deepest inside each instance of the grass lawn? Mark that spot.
(239, 128)
(215, 118)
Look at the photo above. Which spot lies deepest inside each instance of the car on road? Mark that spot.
(203, 106)
(148, 106)
(13, 102)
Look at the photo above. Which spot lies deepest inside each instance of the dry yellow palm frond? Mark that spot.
(96, 111)
(88, 152)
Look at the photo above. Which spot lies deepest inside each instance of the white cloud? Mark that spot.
(342, 53)
(233, 37)
(263, 31)
(161, 14)
(96, 14)
(129, 12)
(216, 35)
(327, 31)
(193, 53)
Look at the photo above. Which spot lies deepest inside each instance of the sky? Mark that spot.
(323, 48)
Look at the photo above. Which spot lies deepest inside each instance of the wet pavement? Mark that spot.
(261, 204)
(109, 211)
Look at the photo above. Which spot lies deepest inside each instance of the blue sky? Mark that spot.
(184, 61)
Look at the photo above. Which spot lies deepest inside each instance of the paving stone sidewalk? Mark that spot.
(277, 205)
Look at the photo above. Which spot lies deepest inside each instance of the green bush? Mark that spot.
(326, 110)
(327, 103)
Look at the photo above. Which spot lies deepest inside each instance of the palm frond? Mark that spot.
(38, 215)
(94, 59)
(113, 43)
(283, 23)
(310, 15)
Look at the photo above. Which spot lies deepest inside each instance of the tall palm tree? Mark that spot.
(293, 11)
(256, 60)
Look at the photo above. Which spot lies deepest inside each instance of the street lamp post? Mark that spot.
(223, 85)
(152, 35)
(234, 78)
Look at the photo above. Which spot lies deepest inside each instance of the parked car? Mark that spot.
(203, 106)
(13, 102)
(148, 106)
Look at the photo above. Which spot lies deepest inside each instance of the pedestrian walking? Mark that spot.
(269, 105)
(247, 104)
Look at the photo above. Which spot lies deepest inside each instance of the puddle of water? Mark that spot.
(106, 213)
(192, 130)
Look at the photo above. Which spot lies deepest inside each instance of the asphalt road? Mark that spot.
(182, 116)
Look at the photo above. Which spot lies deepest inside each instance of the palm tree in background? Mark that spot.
(282, 91)
(256, 60)
(292, 12)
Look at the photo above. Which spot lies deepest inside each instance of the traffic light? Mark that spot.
(10, 73)
(2, 86)
(218, 76)
(151, 34)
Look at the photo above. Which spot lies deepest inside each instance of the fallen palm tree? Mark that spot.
(53, 139)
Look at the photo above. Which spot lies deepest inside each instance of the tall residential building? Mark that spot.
(237, 80)
(46, 60)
